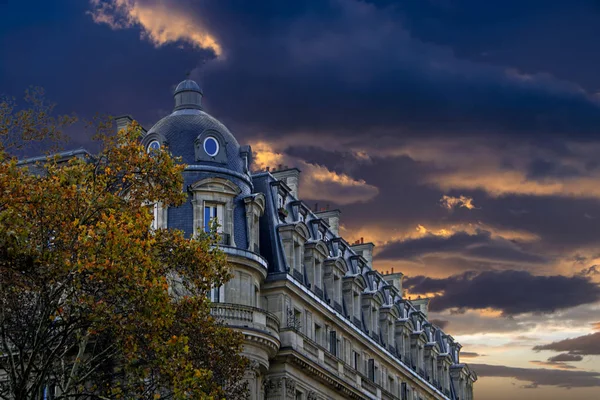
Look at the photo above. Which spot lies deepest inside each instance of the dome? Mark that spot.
(188, 95)
(188, 84)
(184, 131)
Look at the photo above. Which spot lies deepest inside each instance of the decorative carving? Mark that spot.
(290, 387)
(312, 395)
(254, 366)
(272, 386)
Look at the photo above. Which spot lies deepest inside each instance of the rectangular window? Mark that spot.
(356, 305)
(155, 214)
(318, 333)
(371, 369)
(296, 322)
(215, 295)
(213, 212)
(356, 357)
(403, 391)
(309, 325)
(297, 257)
(333, 343)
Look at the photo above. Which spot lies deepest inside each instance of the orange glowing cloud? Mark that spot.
(160, 23)
(450, 202)
(316, 181)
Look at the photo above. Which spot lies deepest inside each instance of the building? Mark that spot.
(319, 321)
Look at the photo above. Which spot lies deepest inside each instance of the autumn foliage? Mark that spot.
(94, 303)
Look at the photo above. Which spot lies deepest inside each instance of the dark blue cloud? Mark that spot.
(480, 245)
(512, 292)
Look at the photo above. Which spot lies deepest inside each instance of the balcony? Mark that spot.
(242, 316)
(224, 239)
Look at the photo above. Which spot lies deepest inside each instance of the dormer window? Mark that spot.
(153, 146)
(213, 201)
(211, 146)
(294, 237)
(280, 201)
(255, 207)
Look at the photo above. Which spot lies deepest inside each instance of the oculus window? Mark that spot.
(211, 146)
(153, 146)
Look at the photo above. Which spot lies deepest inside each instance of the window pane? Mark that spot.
(207, 219)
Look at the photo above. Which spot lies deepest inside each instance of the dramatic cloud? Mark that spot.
(541, 376)
(528, 293)
(480, 245)
(582, 345)
(450, 202)
(160, 23)
(316, 181)
(442, 323)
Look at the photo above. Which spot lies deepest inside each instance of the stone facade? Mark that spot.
(319, 322)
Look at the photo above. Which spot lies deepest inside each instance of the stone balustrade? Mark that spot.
(242, 316)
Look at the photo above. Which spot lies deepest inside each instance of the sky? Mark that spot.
(461, 137)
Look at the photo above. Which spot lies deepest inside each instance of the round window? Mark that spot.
(211, 146)
(153, 146)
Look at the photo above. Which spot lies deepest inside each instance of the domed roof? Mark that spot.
(194, 135)
(182, 129)
(188, 85)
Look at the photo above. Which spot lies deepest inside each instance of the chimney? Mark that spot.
(291, 177)
(365, 250)
(421, 304)
(395, 279)
(333, 220)
(123, 122)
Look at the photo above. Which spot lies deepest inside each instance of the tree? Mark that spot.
(93, 303)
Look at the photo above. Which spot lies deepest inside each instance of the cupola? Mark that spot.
(188, 95)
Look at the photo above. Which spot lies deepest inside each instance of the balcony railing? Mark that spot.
(298, 275)
(319, 292)
(337, 307)
(239, 315)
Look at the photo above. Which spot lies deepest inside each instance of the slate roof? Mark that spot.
(181, 128)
